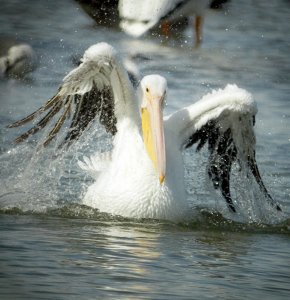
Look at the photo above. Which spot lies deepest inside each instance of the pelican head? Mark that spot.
(153, 89)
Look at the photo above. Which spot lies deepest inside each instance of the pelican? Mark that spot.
(137, 17)
(143, 175)
(19, 60)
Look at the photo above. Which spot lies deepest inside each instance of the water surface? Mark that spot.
(52, 247)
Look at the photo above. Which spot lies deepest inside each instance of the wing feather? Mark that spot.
(98, 88)
(41, 124)
(30, 117)
(225, 121)
(58, 125)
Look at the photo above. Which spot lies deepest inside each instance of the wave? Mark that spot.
(202, 219)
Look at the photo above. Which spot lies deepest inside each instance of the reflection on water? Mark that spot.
(54, 248)
(110, 259)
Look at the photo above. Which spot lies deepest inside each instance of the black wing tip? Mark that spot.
(13, 125)
(256, 173)
(232, 208)
(19, 140)
(271, 200)
(228, 198)
(18, 123)
(278, 208)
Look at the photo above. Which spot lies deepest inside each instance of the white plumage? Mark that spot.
(138, 179)
(19, 60)
(138, 16)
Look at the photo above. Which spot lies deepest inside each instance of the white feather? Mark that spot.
(138, 16)
(95, 164)
(232, 100)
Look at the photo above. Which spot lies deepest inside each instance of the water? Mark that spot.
(52, 247)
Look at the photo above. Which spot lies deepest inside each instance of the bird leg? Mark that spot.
(165, 28)
(198, 30)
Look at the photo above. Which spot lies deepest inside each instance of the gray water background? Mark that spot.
(51, 247)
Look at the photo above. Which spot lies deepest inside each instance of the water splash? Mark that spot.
(46, 180)
(36, 178)
(252, 206)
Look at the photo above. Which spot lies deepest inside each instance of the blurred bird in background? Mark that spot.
(137, 17)
(16, 59)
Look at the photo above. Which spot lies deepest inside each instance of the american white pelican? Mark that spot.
(19, 60)
(137, 17)
(143, 176)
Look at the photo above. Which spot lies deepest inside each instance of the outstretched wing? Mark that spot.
(98, 88)
(224, 120)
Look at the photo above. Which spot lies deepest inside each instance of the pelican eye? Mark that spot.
(147, 90)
